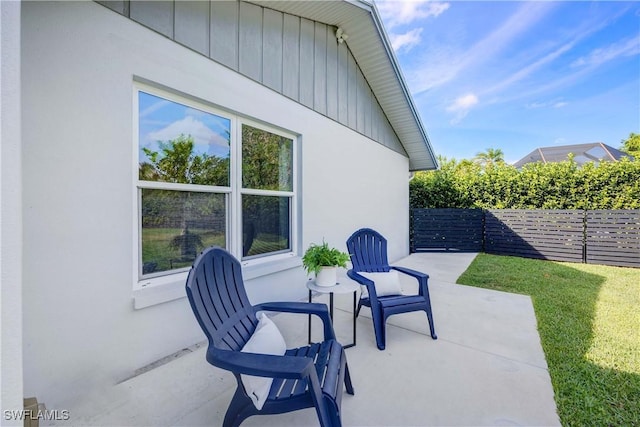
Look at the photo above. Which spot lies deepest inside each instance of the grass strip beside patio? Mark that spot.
(589, 323)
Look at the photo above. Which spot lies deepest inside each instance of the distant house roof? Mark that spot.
(582, 153)
(372, 50)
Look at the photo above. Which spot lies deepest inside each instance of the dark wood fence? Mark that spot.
(447, 229)
(613, 237)
(542, 234)
(597, 237)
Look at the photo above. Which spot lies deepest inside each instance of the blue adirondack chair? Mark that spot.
(304, 377)
(368, 250)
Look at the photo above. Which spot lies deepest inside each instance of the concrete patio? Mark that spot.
(486, 368)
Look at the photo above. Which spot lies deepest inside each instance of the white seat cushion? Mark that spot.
(266, 339)
(386, 283)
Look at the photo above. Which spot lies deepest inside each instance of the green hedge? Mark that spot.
(563, 185)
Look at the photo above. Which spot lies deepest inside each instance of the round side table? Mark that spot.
(344, 286)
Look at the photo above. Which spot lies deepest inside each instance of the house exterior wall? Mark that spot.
(294, 56)
(79, 62)
(11, 393)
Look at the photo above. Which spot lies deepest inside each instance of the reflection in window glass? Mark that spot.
(180, 144)
(267, 160)
(177, 225)
(266, 226)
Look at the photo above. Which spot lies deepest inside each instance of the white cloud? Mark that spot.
(407, 40)
(402, 12)
(554, 103)
(445, 63)
(583, 66)
(529, 69)
(461, 107)
(154, 107)
(202, 135)
(464, 102)
(597, 57)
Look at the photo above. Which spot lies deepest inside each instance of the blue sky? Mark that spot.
(519, 75)
(160, 119)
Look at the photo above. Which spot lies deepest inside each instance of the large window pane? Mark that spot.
(177, 225)
(266, 224)
(180, 144)
(267, 160)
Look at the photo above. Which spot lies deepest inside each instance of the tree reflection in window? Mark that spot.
(267, 165)
(179, 144)
(267, 160)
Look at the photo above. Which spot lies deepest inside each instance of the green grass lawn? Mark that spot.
(589, 323)
(156, 246)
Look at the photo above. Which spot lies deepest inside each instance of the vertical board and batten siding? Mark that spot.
(307, 54)
(296, 57)
(447, 230)
(251, 44)
(224, 20)
(291, 57)
(192, 26)
(320, 69)
(613, 237)
(545, 234)
(272, 60)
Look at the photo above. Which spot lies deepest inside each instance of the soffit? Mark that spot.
(372, 50)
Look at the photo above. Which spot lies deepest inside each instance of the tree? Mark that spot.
(631, 145)
(177, 162)
(490, 157)
(557, 185)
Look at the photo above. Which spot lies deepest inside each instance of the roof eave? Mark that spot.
(366, 34)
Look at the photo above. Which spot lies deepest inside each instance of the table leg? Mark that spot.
(331, 306)
(354, 322)
(309, 339)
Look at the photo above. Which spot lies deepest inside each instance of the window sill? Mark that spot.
(157, 290)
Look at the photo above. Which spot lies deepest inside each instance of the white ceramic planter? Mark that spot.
(328, 276)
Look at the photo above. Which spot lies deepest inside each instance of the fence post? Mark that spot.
(584, 236)
(484, 234)
(412, 246)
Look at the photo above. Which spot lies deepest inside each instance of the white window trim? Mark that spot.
(149, 291)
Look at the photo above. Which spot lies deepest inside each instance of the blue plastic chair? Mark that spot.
(368, 250)
(304, 377)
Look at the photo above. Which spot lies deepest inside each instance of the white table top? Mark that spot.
(344, 286)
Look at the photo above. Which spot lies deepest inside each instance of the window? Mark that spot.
(267, 187)
(207, 177)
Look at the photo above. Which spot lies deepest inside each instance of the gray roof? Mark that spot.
(372, 50)
(582, 153)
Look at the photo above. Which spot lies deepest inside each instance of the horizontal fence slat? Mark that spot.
(608, 237)
(553, 235)
(447, 229)
(613, 237)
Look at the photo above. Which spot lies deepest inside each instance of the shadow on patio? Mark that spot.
(486, 368)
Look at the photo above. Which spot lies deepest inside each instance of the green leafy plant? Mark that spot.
(562, 185)
(318, 256)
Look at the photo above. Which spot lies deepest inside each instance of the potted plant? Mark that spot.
(324, 261)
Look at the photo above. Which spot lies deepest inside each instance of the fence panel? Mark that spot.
(610, 237)
(543, 234)
(447, 229)
(613, 237)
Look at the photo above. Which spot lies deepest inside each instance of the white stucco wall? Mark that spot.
(10, 216)
(79, 62)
